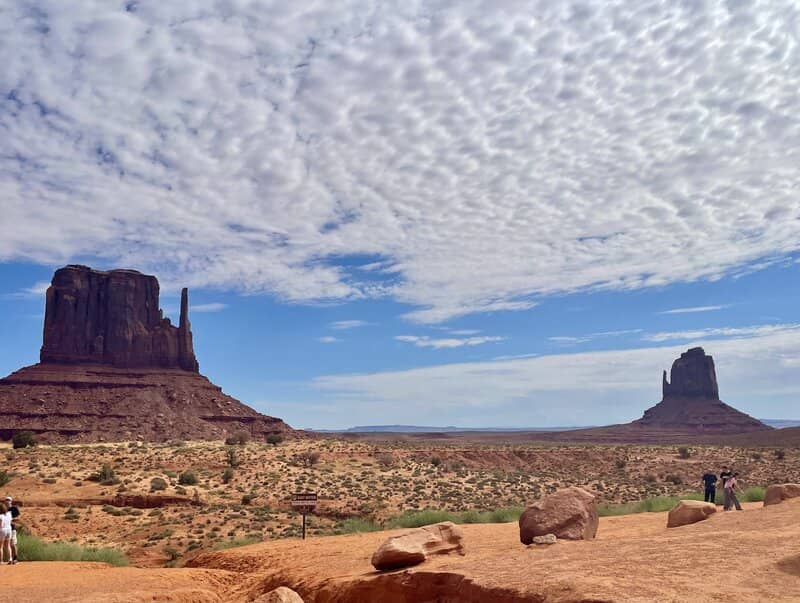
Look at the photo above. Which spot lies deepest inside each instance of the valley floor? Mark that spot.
(744, 556)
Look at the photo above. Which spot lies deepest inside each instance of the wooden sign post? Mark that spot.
(304, 503)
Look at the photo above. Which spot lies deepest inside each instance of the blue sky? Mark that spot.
(473, 213)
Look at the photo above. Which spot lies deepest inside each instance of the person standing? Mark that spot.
(724, 477)
(710, 481)
(731, 485)
(5, 532)
(14, 510)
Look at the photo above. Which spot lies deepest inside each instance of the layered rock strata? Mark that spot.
(113, 368)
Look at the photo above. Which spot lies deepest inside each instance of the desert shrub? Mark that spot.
(308, 458)
(157, 484)
(779, 454)
(684, 452)
(231, 457)
(23, 439)
(752, 494)
(248, 498)
(385, 460)
(4, 478)
(756, 456)
(620, 463)
(187, 478)
(30, 548)
(71, 514)
(274, 439)
(107, 475)
(436, 461)
(236, 542)
(650, 478)
(355, 525)
(416, 519)
(237, 438)
(227, 475)
(675, 480)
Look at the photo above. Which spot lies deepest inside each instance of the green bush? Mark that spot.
(236, 542)
(238, 438)
(356, 525)
(752, 494)
(4, 478)
(227, 475)
(274, 439)
(23, 439)
(157, 484)
(187, 478)
(30, 548)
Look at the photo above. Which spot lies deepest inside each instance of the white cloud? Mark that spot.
(423, 341)
(574, 340)
(695, 309)
(37, 290)
(757, 374)
(210, 307)
(342, 325)
(472, 156)
(751, 331)
(328, 339)
(462, 332)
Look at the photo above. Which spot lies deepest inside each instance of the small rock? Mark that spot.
(414, 547)
(279, 595)
(777, 493)
(546, 539)
(689, 511)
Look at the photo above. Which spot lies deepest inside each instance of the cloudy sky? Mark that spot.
(471, 213)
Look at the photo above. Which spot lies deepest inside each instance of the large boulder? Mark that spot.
(280, 595)
(777, 493)
(415, 546)
(570, 513)
(689, 511)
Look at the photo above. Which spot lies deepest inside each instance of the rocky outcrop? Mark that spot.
(412, 548)
(693, 374)
(570, 513)
(114, 369)
(777, 493)
(691, 401)
(113, 318)
(281, 594)
(689, 511)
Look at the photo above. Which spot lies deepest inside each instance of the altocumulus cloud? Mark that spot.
(485, 153)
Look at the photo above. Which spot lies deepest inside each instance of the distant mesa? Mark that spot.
(691, 400)
(112, 368)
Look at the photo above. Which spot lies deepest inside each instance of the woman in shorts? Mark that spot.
(5, 532)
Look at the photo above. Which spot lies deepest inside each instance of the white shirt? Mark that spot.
(5, 521)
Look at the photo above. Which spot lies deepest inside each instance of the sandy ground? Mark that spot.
(745, 556)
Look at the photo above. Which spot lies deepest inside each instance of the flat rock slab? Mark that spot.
(412, 548)
(689, 511)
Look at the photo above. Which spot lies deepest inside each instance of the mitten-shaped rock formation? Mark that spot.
(113, 368)
(691, 400)
(113, 318)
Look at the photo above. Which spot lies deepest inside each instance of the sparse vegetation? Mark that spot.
(227, 475)
(23, 439)
(31, 548)
(684, 452)
(4, 478)
(238, 438)
(274, 439)
(187, 478)
(158, 484)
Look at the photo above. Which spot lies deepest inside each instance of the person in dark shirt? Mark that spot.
(710, 480)
(14, 514)
(724, 477)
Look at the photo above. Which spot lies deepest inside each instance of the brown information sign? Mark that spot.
(304, 502)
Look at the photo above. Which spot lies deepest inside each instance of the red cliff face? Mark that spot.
(113, 318)
(113, 369)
